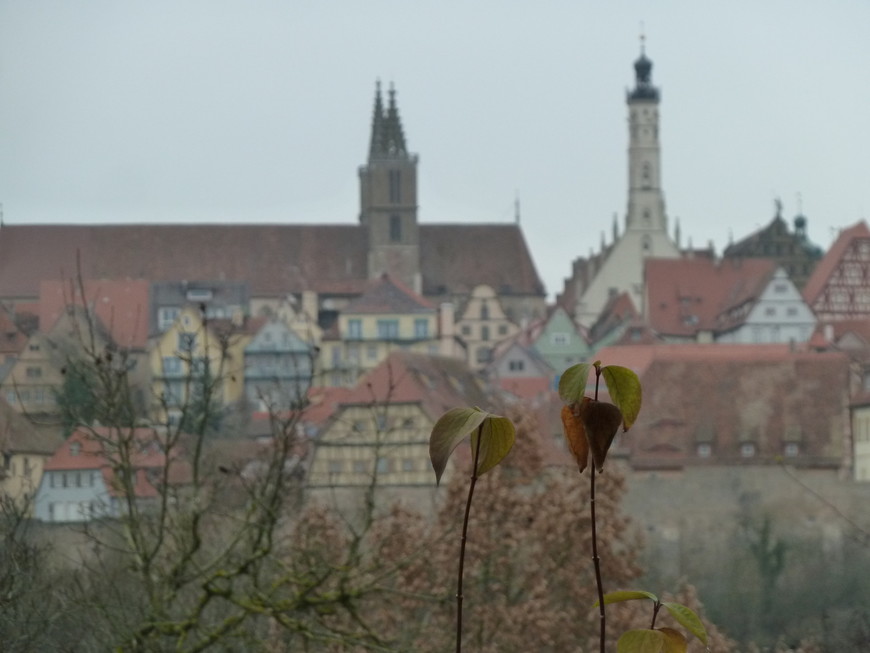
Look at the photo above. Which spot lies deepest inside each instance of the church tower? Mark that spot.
(619, 267)
(646, 203)
(388, 198)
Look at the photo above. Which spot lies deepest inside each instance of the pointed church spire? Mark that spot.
(394, 137)
(376, 143)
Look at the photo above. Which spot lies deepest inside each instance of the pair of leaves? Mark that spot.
(683, 615)
(497, 436)
(590, 425)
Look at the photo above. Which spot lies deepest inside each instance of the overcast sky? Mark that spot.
(259, 111)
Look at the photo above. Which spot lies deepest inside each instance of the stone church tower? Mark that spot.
(618, 267)
(646, 203)
(388, 198)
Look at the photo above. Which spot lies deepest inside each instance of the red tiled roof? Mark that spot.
(725, 395)
(91, 450)
(273, 259)
(459, 257)
(526, 387)
(387, 295)
(685, 296)
(437, 383)
(825, 268)
(121, 306)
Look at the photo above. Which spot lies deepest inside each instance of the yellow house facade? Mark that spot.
(386, 319)
(194, 351)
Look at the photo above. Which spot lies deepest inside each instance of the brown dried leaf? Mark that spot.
(601, 421)
(575, 435)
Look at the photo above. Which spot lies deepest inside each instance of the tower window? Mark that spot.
(395, 186)
(395, 229)
(646, 174)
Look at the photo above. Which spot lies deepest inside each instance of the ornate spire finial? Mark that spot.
(642, 39)
(777, 203)
(517, 207)
(800, 204)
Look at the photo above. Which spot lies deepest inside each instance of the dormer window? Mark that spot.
(75, 448)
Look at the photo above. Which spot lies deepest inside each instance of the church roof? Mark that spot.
(457, 257)
(273, 259)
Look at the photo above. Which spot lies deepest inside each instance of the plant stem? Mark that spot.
(596, 560)
(465, 538)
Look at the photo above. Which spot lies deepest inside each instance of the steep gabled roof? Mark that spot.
(685, 296)
(830, 261)
(120, 305)
(19, 435)
(436, 383)
(454, 258)
(388, 295)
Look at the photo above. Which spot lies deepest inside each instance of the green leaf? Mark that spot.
(641, 641)
(499, 436)
(625, 391)
(572, 383)
(448, 432)
(675, 641)
(627, 595)
(688, 619)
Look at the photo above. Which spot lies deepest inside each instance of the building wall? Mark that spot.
(622, 271)
(861, 435)
(21, 475)
(72, 496)
(363, 347)
(559, 342)
(779, 316)
(170, 363)
(483, 324)
(31, 383)
(392, 441)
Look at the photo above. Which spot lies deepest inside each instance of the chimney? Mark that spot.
(829, 333)
(446, 328)
(309, 304)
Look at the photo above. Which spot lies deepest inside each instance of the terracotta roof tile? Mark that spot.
(685, 296)
(725, 395)
(121, 306)
(91, 450)
(436, 382)
(273, 259)
(387, 295)
(459, 257)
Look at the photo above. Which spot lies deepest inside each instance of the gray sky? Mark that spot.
(259, 111)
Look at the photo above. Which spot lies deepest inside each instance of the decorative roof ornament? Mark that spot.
(643, 89)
